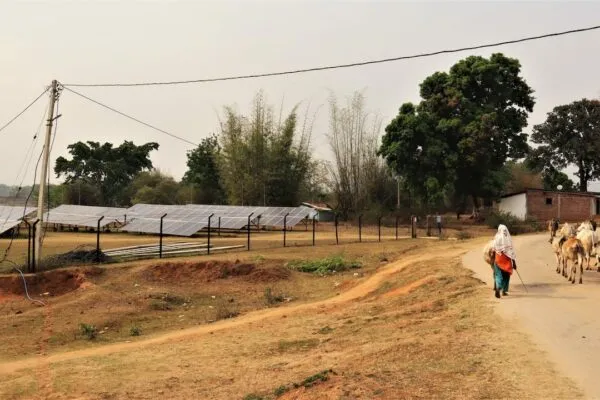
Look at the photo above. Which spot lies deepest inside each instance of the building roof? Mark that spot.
(586, 194)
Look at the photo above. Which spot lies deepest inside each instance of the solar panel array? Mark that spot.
(11, 216)
(189, 219)
(180, 220)
(85, 216)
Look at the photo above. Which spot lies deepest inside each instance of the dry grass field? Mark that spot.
(409, 323)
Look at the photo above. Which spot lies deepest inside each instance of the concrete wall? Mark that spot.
(516, 205)
(573, 208)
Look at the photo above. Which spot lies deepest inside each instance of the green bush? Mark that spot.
(89, 331)
(324, 266)
(515, 225)
(135, 331)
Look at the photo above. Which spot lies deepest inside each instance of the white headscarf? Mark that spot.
(503, 242)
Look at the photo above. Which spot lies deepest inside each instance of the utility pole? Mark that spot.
(44, 173)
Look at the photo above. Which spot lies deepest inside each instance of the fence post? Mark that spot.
(208, 241)
(285, 227)
(98, 239)
(160, 243)
(379, 228)
(413, 226)
(33, 266)
(428, 225)
(360, 228)
(397, 218)
(337, 239)
(219, 228)
(314, 219)
(248, 229)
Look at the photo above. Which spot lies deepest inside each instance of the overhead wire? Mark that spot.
(129, 116)
(338, 66)
(13, 234)
(13, 119)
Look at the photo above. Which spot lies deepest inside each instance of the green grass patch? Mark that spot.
(324, 266)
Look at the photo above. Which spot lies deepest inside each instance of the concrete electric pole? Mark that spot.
(44, 173)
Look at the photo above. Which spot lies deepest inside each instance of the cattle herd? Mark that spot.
(576, 245)
(571, 244)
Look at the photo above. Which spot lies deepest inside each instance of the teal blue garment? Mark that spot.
(502, 278)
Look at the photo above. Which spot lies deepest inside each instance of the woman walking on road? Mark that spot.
(505, 260)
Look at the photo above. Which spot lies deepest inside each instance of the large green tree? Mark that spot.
(203, 176)
(467, 125)
(108, 168)
(154, 187)
(553, 178)
(570, 136)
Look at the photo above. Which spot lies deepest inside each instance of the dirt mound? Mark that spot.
(209, 271)
(55, 283)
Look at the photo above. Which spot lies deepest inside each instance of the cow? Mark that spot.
(589, 239)
(572, 250)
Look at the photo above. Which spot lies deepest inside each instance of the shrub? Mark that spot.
(135, 331)
(324, 266)
(89, 331)
(515, 225)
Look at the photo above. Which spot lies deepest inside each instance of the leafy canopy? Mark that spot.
(108, 168)
(467, 125)
(264, 161)
(569, 136)
(203, 172)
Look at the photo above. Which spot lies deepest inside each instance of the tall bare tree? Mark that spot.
(360, 177)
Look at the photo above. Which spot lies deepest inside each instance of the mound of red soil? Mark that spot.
(55, 283)
(208, 271)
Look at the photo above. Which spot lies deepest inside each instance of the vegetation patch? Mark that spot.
(135, 331)
(514, 224)
(324, 266)
(89, 331)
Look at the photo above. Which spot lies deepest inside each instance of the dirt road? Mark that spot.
(561, 317)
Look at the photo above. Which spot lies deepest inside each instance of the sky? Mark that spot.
(134, 41)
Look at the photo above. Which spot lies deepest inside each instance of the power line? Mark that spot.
(130, 117)
(21, 113)
(323, 68)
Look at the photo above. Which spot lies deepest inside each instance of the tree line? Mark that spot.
(462, 145)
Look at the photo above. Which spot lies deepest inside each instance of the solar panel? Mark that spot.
(15, 213)
(179, 220)
(11, 216)
(7, 225)
(87, 216)
(185, 220)
(170, 226)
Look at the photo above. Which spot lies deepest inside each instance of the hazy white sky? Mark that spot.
(124, 41)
